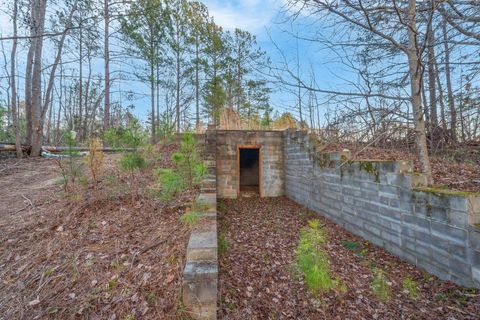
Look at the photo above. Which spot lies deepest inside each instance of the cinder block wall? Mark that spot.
(271, 142)
(377, 200)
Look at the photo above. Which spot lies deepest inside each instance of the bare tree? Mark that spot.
(13, 85)
(388, 25)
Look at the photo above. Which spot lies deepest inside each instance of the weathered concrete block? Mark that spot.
(458, 218)
(375, 200)
(202, 246)
(449, 232)
(200, 289)
(473, 208)
(474, 238)
(476, 275)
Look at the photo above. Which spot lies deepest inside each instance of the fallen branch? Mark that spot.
(462, 311)
(156, 244)
(28, 200)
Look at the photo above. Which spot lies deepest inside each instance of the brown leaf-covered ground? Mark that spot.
(258, 278)
(457, 168)
(89, 255)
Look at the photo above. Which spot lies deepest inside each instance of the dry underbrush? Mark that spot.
(457, 168)
(89, 253)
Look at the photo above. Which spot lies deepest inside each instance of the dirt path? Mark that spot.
(258, 278)
(25, 183)
(89, 255)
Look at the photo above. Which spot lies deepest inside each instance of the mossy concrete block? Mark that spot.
(418, 180)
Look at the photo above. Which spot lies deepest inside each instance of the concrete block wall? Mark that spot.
(200, 276)
(272, 177)
(384, 202)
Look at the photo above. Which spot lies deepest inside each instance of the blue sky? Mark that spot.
(266, 19)
(260, 17)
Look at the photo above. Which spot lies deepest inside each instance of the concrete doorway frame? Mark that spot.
(259, 147)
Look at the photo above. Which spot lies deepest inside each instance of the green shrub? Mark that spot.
(380, 287)
(312, 260)
(411, 286)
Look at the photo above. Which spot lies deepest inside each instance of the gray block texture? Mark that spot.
(386, 203)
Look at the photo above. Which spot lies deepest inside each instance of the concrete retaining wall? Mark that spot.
(271, 143)
(384, 202)
(200, 276)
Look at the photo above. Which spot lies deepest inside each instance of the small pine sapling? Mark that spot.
(171, 182)
(312, 259)
(129, 139)
(187, 163)
(187, 172)
(411, 287)
(380, 287)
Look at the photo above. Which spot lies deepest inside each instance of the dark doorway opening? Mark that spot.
(249, 166)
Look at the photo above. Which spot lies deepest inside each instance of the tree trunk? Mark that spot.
(13, 85)
(84, 126)
(158, 94)
(28, 78)
(37, 123)
(49, 122)
(441, 101)
(416, 83)
(152, 99)
(106, 112)
(451, 101)
(431, 79)
(58, 57)
(177, 98)
(80, 69)
(197, 85)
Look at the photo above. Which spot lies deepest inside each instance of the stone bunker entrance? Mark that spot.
(249, 169)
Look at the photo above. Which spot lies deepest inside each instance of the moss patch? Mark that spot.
(441, 192)
(370, 167)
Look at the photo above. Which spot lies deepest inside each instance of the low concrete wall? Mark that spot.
(272, 178)
(200, 276)
(384, 202)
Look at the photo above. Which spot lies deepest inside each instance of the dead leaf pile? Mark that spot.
(91, 255)
(457, 169)
(258, 278)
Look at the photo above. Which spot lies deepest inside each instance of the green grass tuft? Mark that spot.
(351, 245)
(411, 286)
(223, 244)
(190, 218)
(380, 287)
